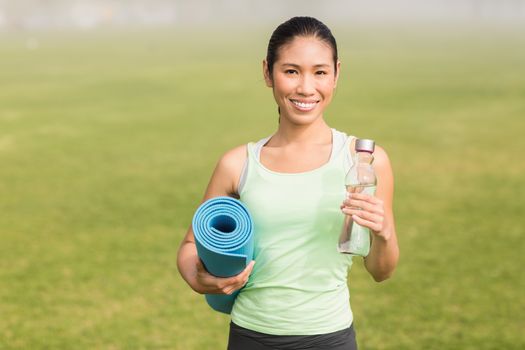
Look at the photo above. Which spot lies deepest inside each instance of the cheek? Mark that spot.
(327, 88)
(283, 86)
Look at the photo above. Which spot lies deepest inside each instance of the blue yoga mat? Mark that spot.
(223, 230)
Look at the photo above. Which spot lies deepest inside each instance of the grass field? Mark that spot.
(107, 141)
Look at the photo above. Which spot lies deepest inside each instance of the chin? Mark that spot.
(305, 119)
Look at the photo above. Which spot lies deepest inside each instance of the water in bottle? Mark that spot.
(361, 178)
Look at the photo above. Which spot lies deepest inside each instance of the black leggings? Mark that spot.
(244, 339)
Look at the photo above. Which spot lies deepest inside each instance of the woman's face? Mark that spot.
(303, 79)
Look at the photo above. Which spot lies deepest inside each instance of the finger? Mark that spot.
(240, 279)
(223, 285)
(366, 223)
(228, 291)
(357, 203)
(365, 197)
(244, 275)
(249, 268)
(362, 197)
(231, 290)
(371, 199)
(358, 195)
(375, 208)
(370, 216)
(235, 283)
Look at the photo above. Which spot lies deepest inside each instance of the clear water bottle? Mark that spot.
(361, 178)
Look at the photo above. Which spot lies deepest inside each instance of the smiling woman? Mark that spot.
(304, 83)
(292, 182)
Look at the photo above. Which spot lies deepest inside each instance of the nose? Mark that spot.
(306, 85)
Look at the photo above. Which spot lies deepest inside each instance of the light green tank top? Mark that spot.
(299, 283)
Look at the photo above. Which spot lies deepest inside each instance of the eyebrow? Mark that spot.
(320, 65)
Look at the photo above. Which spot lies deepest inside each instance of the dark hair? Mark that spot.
(298, 26)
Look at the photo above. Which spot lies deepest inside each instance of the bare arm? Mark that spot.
(377, 214)
(223, 182)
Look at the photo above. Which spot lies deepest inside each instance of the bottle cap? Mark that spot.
(364, 145)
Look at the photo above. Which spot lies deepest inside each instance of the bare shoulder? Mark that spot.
(385, 177)
(381, 159)
(233, 162)
(234, 158)
(227, 173)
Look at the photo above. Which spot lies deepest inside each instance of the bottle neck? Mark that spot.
(364, 157)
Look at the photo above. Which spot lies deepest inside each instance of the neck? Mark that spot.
(317, 132)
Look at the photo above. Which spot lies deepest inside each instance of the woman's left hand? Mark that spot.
(367, 211)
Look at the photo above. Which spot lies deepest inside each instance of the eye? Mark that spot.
(321, 72)
(290, 71)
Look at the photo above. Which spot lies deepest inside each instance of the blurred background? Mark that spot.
(113, 115)
(40, 14)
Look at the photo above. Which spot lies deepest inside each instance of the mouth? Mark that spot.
(304, 105)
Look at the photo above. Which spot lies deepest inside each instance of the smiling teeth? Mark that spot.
(303, 104)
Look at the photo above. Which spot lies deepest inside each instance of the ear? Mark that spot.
(337, 73)
(266, 72)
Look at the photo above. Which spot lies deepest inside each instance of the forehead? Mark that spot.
(305, 49)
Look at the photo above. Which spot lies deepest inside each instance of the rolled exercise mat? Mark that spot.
(223, 230)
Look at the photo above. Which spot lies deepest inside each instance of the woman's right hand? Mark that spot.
(209, 284)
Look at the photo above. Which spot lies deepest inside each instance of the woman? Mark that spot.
(296, 296)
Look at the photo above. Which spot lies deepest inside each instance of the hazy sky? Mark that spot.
(35, 14)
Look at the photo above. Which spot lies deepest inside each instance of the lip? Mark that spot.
(304, 105)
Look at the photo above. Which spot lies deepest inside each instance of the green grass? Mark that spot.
(107, 141)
